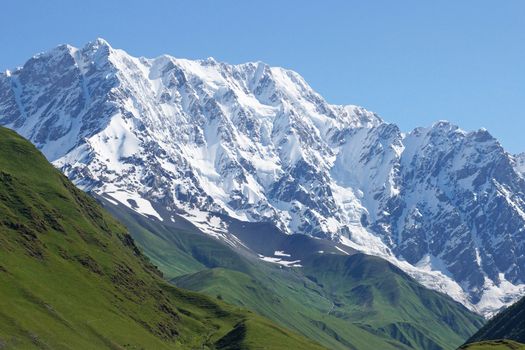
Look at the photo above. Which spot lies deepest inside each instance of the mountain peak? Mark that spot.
(97, 49)
(257, 143)
(445, 125)
(98, 42)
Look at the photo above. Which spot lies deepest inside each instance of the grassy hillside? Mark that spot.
(72, 278)
(508, 324)
(494, 345)
(370, 291)
(344, 302)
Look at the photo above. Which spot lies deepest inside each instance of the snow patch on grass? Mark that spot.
(294, 263)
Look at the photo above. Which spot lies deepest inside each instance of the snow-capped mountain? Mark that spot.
(258, 144)
(520, 163)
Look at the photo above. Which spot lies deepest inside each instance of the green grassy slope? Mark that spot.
(344, 302)
(370, 291)
(72, 278)
(494, 345)
(508, 324)
(177, 252)
(290, 303)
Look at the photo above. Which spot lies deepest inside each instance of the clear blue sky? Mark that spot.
(413, 62)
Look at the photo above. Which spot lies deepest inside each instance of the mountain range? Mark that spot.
(325, 291)
(74, 278)
(71, 276)
(220, 145)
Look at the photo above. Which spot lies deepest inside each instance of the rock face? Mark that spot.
(257, 143)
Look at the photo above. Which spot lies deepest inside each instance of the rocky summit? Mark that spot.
(203, 140)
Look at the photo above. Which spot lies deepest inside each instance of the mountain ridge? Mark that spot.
(258, 144)
(325, 291)
(72, 277)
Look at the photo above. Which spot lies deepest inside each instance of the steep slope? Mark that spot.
(372, 292)
(305, 298)
(72, 278)
(494, 345)
(508, 324)
(519, 163)
(170, 136)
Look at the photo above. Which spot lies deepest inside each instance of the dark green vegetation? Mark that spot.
(370, 291)
(508, 324)
(72, 278)
(342, 301)
(494, 345)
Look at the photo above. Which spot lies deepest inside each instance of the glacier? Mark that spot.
(257, 143)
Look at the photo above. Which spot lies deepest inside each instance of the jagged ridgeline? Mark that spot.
(72, 278)
(257, 143)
